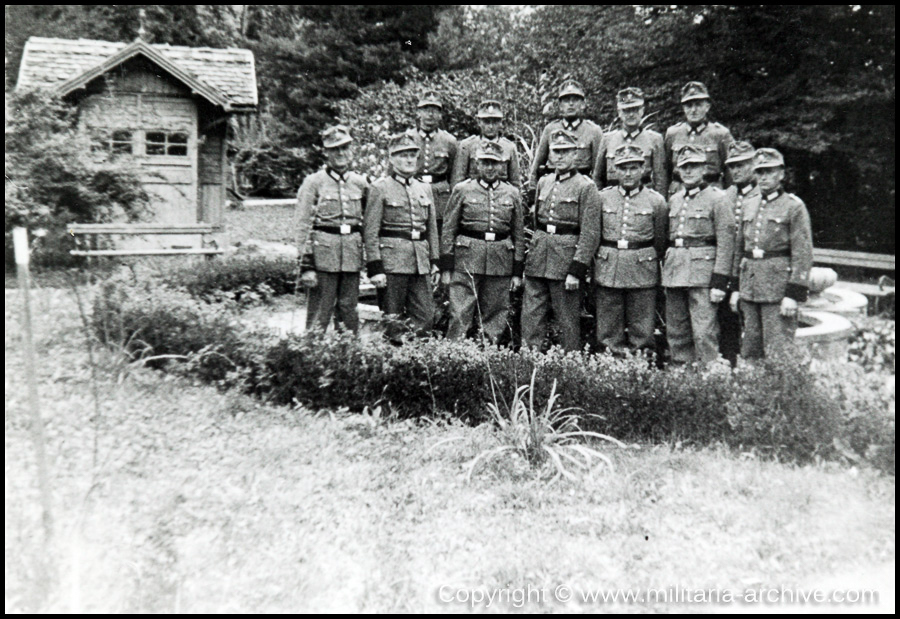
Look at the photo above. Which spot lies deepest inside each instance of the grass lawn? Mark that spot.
(174, 497)
(263, 223)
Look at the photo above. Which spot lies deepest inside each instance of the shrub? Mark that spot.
(872, 344)
(236, 279)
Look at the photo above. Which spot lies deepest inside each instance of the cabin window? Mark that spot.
(173, 144)
(117, 142)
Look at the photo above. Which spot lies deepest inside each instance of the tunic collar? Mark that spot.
(428, 135)
(746, 188)
(632, 136)
(571, 125)
(693, 191)
(564, 176)
(698, 129)
(493, 185)
(771, 197)
(632, 193)
(406, 182)
(338, 176)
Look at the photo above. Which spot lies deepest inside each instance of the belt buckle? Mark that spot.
(679, 242)
(345, 228)
(490, 236)
(414, 235)
(758, 253)
(551, 229)
(622, 244)
(427, 178)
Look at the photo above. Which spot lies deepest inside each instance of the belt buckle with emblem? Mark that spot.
(758, 253)
(551, 229)
(622, 244)
(490, 236)
(414, 235)
(679, 242)
(345, 228)
(426, 178)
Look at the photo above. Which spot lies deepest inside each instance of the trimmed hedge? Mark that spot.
(778, 407)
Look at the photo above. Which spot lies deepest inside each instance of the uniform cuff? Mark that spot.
(797, 292)
(307, 263)
(448, 261)
(375, 267)
(577, 269)
(735, 284)
(518, 268)
(719, 281)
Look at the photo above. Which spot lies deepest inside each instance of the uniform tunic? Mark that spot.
(655, 172)
(437, 156)
(465, 164)
(482, 268)
(588, 136)
(712, 137)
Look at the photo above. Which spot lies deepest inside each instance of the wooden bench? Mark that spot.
(879, 262)
(88, 239)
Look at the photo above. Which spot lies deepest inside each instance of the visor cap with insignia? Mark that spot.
(430, 98)
(489, 149)
(402, 141)
(767, 158)
(694, 90)
(691, 154)
(569, 88)
(740, 151)
(336, 135)
(489, 109)
(630, 97)
(562, 140)
(629, 153)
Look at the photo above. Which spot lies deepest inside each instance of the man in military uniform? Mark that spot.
(626, 268)
(630, 103)
(587, 134)
(697, 131)
(567, 229)
(776, 243)
(741, 195)
(401, 240)
(490, 119)
(329, 233)
(437, 152)
(699, 261)
(483, 246)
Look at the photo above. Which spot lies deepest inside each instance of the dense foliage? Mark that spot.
(238, 279)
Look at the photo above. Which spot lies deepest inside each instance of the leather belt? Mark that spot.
(692, 243)
(342, 229)
(623, 244)
(759, 254)
(484, 236)
(410, 235)
(433, 178)
(559, 228)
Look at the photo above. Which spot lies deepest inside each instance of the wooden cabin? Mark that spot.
(166, 106)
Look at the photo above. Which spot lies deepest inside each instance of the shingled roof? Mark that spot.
(226, 77)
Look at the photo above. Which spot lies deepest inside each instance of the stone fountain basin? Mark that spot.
(838, 300)
(825, 334)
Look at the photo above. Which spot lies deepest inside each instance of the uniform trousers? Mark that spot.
(485, 297)
(766, 331)
(691, 326)
(341, 289)
(729, 332)
(540, 295)
(407, 302)
(621, 308)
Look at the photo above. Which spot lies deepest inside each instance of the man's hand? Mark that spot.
(445, 278)
(735, 299)
(788, 307)
(515, 284)
(572, 282)
(435, 276)
(716, 295)
(379, 281)
(308, 279)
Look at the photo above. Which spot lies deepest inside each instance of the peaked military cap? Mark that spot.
(336, 135)
(403, 141)
(767, 158)
(489, 109)
(430, 98)
(740, 151)
(694, 90)
(630, 97)
(691, 154)
(489, 149)
(562, 140)
(628, 153)
(571, 87)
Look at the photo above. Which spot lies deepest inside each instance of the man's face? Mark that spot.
(339, 158)
(692, 173)
(490, 127)
(562, 159)
(571, 106)
(489, 169)
(741, 171)
(631, 116)
(630, 174)
(429, 117)
(696, 110)
(405, 162)
(770, 179)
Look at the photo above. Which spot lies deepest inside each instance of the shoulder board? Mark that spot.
(448, 135)
(509, 185)
(795, 198)
(607, 189)
(652, 132)
(469, 140)
(653, 193)
(505, 140)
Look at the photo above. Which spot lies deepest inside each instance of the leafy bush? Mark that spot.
(236, 279)
(872, 344)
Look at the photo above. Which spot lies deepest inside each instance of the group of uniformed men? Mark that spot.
(450, 213)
